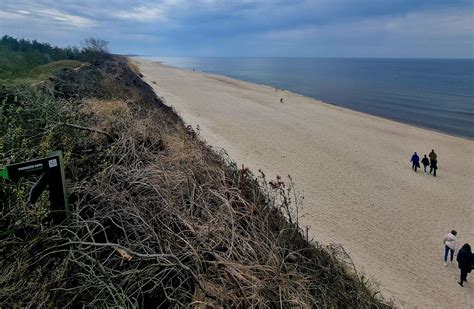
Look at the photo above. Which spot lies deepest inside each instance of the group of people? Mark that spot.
(432, 162)
(465, 258)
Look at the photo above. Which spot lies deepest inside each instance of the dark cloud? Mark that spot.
(251, 28)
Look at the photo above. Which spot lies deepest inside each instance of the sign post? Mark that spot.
(51, 173)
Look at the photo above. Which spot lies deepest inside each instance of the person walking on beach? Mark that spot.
(450, 241)
(465, 262)
(425, 163)
(415, 159)
(433, 166)
(433, 155)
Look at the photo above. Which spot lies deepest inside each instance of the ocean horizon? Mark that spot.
(436, 94)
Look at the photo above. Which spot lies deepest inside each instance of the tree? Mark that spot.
(96, 45)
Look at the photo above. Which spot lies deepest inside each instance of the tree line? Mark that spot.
(19, 56)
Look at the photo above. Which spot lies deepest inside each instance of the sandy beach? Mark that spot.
(354, 172)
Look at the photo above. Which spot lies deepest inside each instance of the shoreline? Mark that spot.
(353, 171)
(162, 63)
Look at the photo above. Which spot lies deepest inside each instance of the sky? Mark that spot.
(245, 28)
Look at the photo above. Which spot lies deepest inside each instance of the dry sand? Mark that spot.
(354, 171)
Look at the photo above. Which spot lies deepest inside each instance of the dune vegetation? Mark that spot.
(158, 218)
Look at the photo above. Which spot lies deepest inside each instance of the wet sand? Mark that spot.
(354, 172)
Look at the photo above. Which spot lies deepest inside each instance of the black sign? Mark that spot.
(52, 176)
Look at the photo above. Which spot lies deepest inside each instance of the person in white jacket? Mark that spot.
(450, 241)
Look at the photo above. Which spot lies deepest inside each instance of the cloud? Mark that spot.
(417, 34)
(143, 14)
(149, 12)
(46, 15)
(70, 19)
(251, 27)
(454, 23)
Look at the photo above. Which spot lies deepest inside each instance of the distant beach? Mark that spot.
(353, 170)
(437, 94)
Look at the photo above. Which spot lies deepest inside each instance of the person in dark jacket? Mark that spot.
(433, 155)
(415, 159)
(464, 259)
(425, 163)
(433, 166)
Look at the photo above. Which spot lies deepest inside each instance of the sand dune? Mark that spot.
(354, 171)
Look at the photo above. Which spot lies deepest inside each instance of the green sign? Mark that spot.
(51, 171)
(4, 173)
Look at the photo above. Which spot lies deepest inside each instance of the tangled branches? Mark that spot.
(166, 221)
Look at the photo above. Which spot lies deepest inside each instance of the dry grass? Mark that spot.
(134, 67)
(104, 115)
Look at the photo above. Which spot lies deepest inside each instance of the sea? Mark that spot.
(436, 94)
